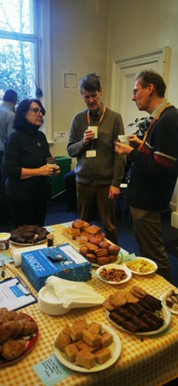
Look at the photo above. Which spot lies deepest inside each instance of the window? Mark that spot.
(19, 47)
(24, 26)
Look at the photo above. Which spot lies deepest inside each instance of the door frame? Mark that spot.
(160, 56)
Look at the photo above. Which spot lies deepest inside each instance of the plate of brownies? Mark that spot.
(87, 346)
(137, 312)
(27, 235)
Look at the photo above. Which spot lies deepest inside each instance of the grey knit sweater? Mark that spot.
(107, 168)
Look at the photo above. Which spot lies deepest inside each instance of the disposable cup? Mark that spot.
(124, 139)
(95, 130)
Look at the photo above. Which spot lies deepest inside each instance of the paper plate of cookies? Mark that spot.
(78, 347)
(137, 312)
(170, 300)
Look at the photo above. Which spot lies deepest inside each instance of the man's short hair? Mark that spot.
(90, 82)
(146, 77)
(10, 96)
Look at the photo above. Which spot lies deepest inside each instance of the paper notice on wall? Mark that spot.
(61, 136)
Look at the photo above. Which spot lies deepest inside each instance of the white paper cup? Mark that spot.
(124, 139)
(94, 129)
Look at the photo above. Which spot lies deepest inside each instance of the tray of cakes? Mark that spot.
(92, 243)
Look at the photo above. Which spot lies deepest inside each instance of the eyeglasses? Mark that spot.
(135, 90)
(37, 110)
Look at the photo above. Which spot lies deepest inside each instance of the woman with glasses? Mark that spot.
(24, 165)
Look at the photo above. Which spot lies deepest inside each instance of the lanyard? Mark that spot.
(101, 118)
(151, 125)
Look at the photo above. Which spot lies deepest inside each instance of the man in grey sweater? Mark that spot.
(99, 169)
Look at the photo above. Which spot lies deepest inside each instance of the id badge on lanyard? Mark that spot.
(92, 153)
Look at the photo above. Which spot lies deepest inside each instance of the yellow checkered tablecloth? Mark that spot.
(150, 361)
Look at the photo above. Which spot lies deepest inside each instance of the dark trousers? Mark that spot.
(70, 187)
(91, 196)
(148, 234)
(28, 212)
(4, 207)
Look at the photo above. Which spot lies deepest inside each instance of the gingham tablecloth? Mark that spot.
(149, 361)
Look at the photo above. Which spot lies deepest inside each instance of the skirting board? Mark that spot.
(174, 219)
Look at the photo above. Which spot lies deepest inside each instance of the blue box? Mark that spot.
(38, 266)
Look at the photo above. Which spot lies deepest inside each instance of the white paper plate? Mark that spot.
(116, 266)
(28, 244)
(144, 259)
(163, 299)
(115, 348)
(50, 304)
(167, 321)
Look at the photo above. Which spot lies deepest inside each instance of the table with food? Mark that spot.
(76, 309)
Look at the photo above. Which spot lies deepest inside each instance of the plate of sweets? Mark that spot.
(28, 235)
(137, 312)
(140, 265)
(92, 243)
(114, 274)
(18, 336)
(87, 346)
(170, 300)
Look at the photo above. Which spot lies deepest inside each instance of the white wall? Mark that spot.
(88, 35)
(137, 26)
(79, 32)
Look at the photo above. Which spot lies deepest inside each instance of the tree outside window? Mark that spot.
(19, 44)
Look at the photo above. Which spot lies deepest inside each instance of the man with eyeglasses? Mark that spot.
(154, 168)
(99, 170)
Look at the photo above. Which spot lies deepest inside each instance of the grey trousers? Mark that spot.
(148, 234)
(91, 198)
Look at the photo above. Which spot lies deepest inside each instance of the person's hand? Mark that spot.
(122, 149)
(88, 136)
(135, 140)
(49, 170)
(56, 170)
(113, 192)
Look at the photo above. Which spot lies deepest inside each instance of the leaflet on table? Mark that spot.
(130, 257)
(51, 371)
(14, 295)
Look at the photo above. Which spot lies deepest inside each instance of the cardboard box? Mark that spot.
(38, 266)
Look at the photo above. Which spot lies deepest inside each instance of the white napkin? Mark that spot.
(73, 294)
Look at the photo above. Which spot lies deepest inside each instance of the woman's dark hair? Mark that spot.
(90, 82)
(147, 77)
(22, 110)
